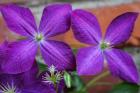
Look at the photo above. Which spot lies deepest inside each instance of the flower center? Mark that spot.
(53, 76)
(104, 45)
(39, 37)
(8, 88)
(10, 91)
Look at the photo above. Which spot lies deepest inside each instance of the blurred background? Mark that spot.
(105, 10)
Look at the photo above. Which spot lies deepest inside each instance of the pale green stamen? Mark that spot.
(54, 77)
(39, 37)
(8, 88)
(104, 45)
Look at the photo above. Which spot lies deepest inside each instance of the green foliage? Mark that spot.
(42, 66)
(125, 88)
(67, 79)
(77, 84)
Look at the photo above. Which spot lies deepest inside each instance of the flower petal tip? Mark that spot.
(76, 12)
(133, 15)
(68, 5)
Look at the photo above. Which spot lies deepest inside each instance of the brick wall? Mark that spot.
(12, 1)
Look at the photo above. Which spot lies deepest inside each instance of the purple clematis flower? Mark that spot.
(21, 54)
(54, 78)
(23, 83)
(32, 81)
(90, 60)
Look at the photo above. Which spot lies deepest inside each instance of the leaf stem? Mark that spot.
(94, 80)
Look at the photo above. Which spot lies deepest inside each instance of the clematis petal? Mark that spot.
(29, 77)
(19, 19)
(8, 81)
(58, 54)
(89, 61)
(86, 27)
(19, 57)
(3, 48)
(121, 64)
(55, 19)
(121, 28)
(20, 80)
(39, 88)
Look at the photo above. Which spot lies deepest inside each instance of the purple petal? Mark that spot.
(19, 57)
(89, 61)
(121, 28)
(19, 20)
(58, 54)
(61, 86)
(20, 80)
(3, 53)
(39, 88)
(121, 64)
(55, 19)
(29, 77)
(8, 81)
(3, 48)
(86, 27)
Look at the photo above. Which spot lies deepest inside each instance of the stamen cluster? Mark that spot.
(53, 77)
(9, 88)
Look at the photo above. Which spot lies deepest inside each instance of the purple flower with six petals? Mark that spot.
(21, 54)
(90, 60)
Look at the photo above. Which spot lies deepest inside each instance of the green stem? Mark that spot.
(103, 84)
(94, 80)
(56, 88)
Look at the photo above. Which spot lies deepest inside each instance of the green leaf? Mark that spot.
(67, 79)
(125, 88)
(77, 84)
(41, 65)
